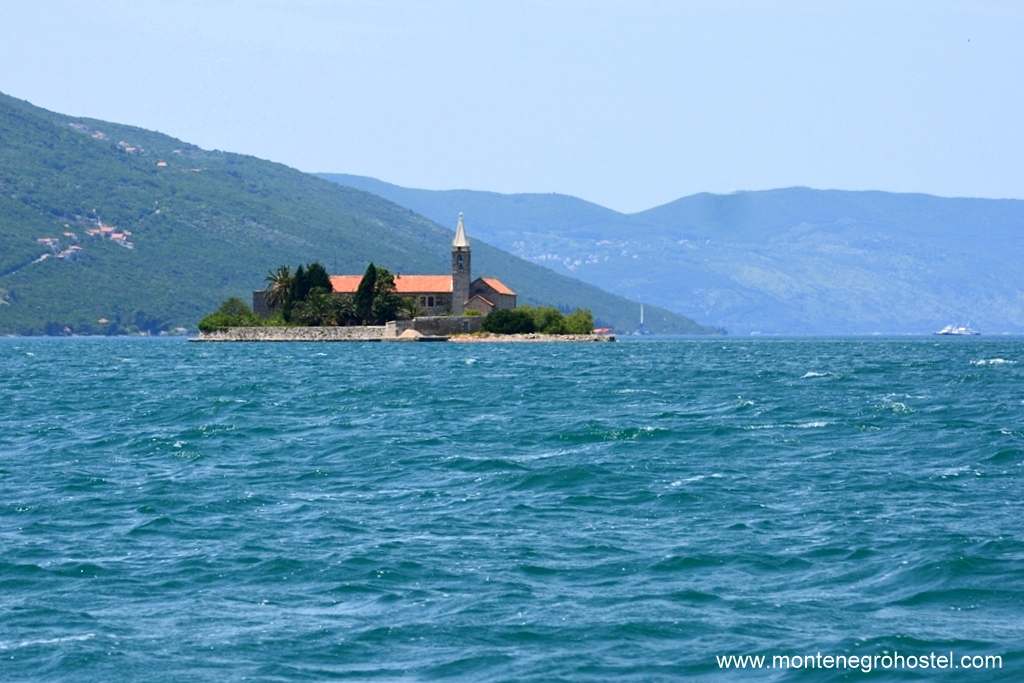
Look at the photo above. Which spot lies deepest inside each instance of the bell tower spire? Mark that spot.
(460, 268)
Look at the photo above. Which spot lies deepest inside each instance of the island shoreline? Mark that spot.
(380, 334)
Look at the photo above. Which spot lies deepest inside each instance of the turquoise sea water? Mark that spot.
(174, 511)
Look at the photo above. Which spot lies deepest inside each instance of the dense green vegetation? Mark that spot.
(232, 313)
(306, 298)
(205, 226)
(544, 319)
(793, 260)
(509, 321)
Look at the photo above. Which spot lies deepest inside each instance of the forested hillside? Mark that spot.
(107, 228)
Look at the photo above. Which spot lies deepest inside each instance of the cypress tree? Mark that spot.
(385, 302)
(316, 276)
(363, 299)
(297, 293)
(300, 285)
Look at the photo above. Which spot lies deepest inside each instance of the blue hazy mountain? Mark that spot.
(794, 260)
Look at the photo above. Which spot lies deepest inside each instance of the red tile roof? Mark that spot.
(404, 284)
(498, 286)
(346, 284)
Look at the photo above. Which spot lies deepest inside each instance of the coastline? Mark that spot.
(381, 334)
(533, 337)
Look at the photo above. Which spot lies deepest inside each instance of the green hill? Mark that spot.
(204, 225)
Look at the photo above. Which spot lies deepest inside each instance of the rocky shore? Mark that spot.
(379, 334)
(487, 337)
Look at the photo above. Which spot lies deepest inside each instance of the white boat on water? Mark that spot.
(958, 331)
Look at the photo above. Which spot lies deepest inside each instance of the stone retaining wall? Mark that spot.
(390, 332)
(294, 334)
(436, 325)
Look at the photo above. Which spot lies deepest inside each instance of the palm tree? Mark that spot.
(279, 283)
(342, 310)
(317, 309)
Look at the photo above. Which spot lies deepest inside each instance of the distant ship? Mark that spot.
(958, 331)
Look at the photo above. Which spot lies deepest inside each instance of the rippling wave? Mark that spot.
(176, 511)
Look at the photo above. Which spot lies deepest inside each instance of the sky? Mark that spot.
(628, 104)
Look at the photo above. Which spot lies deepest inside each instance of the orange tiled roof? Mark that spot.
(498, 286)
(345, 284)
(404, 284)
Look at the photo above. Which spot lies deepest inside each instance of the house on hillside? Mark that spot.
(450, 294)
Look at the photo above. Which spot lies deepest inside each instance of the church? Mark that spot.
(453, 294)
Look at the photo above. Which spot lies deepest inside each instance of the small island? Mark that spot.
(311, 305)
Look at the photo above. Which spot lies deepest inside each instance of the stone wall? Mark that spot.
(436, 326)
(447, 325)
(298, 334)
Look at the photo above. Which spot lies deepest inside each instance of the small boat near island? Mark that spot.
(958, 331)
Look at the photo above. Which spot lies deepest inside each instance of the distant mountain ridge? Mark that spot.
(109, 228)
(787, 261)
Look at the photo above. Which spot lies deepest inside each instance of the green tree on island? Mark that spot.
(296, 293)
(316, 276)
(509, 321)
(547, 319)
(232, 313)
(543, 319)
(410, 307)
(279, 286)
(580, 321)
(386, 303)
(363, 298)
(343, 310)
(316, 310)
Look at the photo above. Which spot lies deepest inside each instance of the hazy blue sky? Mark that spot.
(629, 104)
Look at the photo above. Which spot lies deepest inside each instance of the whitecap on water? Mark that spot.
(14, 645)
(889, 403)
(816, 424)
(993, 361)
(697, 477)
(953, 471)
(814, 373)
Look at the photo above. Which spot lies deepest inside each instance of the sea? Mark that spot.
(636, 511)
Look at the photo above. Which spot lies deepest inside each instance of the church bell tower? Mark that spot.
(460, 269)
